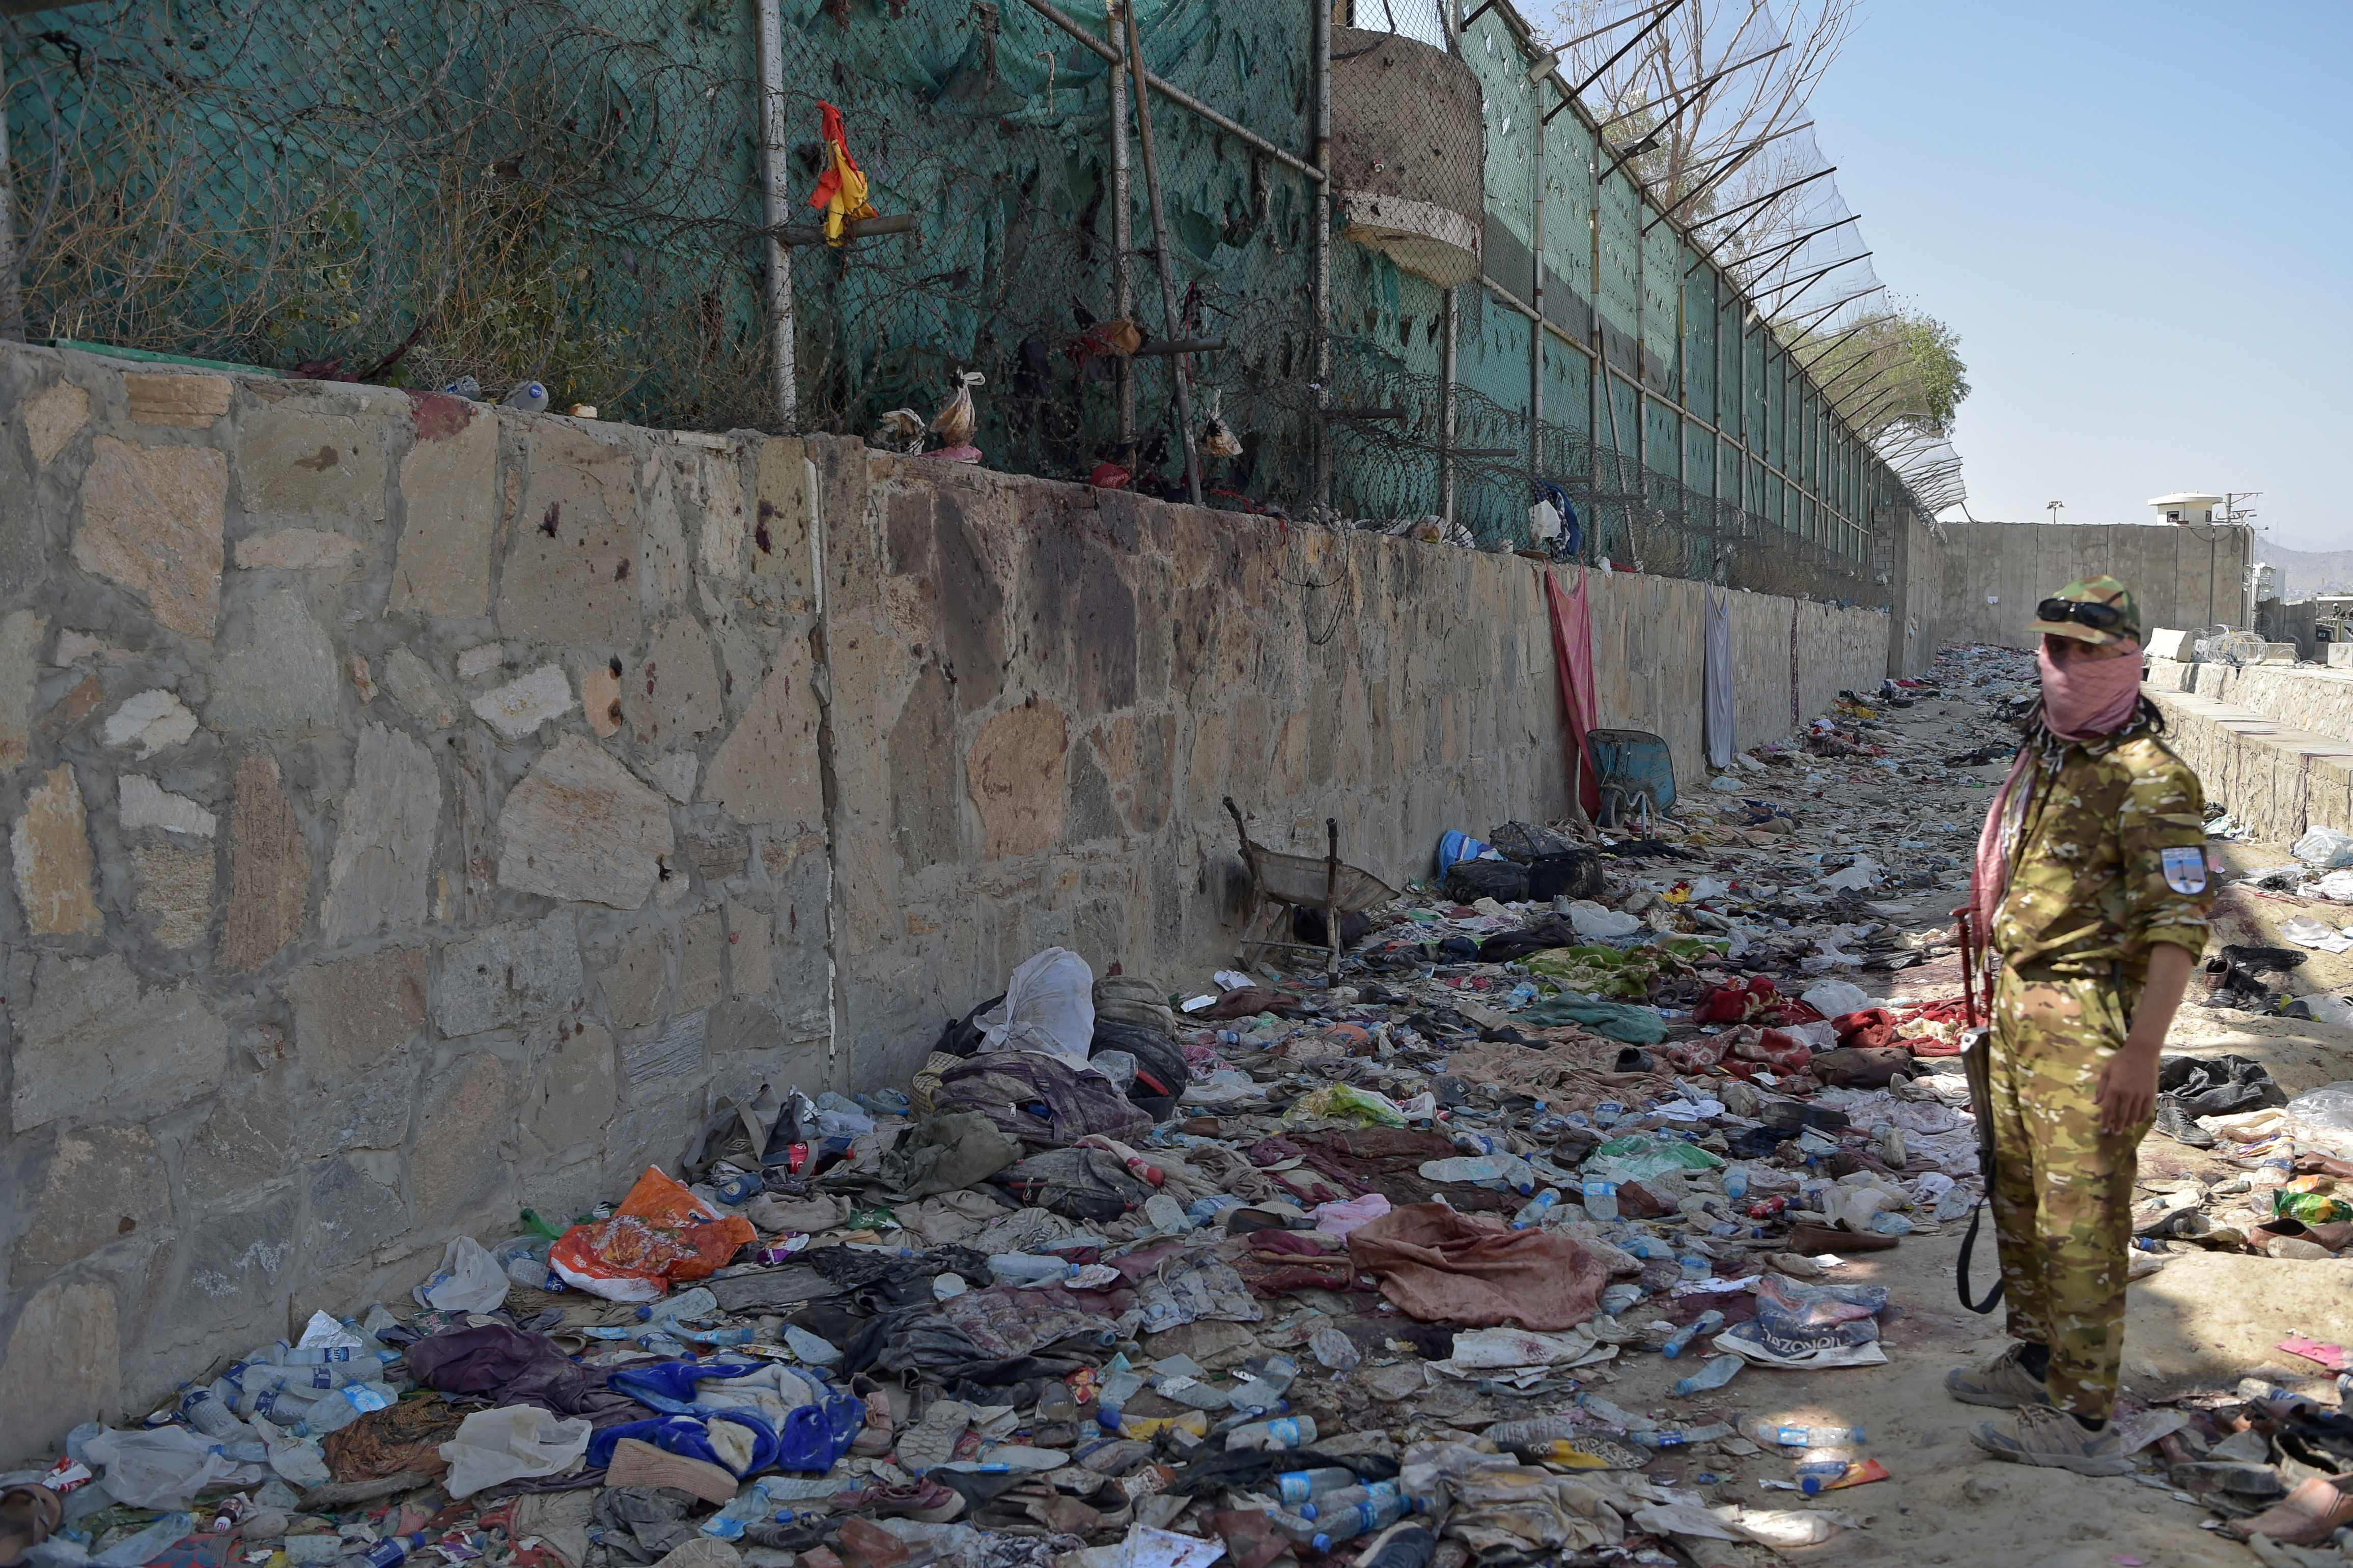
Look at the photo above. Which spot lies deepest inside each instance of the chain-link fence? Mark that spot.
(572, 191)
(585, 192)
(1666, 328)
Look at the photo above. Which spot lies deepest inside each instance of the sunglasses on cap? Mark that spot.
(2082, 612)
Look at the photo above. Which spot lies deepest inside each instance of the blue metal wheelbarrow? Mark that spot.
(1635, 772)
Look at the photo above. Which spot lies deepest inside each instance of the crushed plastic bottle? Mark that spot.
(1795, 1435)
(751, 1506)
(1677, 1437)
(1378, 1510)
(1707, 1322)
(1297, 1487)
(686, 1306)
(343, 1406)
(1533, 1212)
(1600, 1199)
(1332, 1505)
(1029, 1269)
(1716, 1372)
(1499, 1171)
(1284, 1432)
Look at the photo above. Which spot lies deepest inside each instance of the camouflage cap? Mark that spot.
(2124, 623)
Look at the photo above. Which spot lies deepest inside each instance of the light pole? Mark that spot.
(2054, 506)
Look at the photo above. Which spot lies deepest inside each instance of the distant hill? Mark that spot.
(2304, 572)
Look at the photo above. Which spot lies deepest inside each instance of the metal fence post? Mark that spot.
(1321, 10)
(1535, 290)
(12, 290)
(1122, 237)
(1179, 365)
(1446, 419)
(776, 208)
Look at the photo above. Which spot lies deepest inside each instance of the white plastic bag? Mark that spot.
(1834, 998)
(2329, 1009)
(2329, 849)
(1050, 1006)
(2305, 932)
(2327, 1111)
(1855, 877)
(512, 1443)
(164, 1467)
(468, 1280)
(1590, 919)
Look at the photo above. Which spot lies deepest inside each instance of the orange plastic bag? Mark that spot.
(661, 1234)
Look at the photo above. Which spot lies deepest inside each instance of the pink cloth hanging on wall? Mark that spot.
(1572, 649)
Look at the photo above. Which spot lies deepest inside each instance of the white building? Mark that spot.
(2187, 509)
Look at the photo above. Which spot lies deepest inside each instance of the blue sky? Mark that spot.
(2135, 217)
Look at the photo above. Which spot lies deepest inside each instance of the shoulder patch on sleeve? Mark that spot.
(2185, 869)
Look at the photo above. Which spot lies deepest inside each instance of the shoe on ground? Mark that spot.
(932, 1440)
(2002, 1382)
(2314, 1511)
(925, 1501)
(2176, 1122)
(2038, 1435)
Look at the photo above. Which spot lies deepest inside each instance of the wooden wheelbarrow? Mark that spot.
(1281, 881)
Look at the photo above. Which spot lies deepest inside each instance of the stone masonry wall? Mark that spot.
(418, 810)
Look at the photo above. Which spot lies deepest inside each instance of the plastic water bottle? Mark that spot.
(1715, 1373)
(1695, 1266)
(1297, 1487)
(1790, 1435)
(695, 1303)
(392, 1549)
(1600, 1199)
(342, 1408)
(528, 396)
(1332, 1504)
(751, 1506)
(1534, 1212)
(1735, 1181)
(277, 1405)
(1029, 1269)
(1284, 1432)
(303, 1382)
(1299, 1527)
(1707, 1322)
(718, 1337)
(1816, 1476)
(1676, 1436)
(206, 1411)
(1497, 1170)
(1378, 1510)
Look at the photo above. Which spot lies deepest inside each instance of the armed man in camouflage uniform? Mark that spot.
(2097, 886)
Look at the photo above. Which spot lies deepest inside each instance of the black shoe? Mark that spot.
(1633, 1058)
(2181, 1126)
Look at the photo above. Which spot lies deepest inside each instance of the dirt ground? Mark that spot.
(2204, 1321)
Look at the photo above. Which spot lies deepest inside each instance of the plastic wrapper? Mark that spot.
(166, 1467)
(660, 1236)
(514, 1443)
(468, 1280)
(1345, 1103)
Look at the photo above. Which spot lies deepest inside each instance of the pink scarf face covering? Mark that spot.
(2083, 699)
